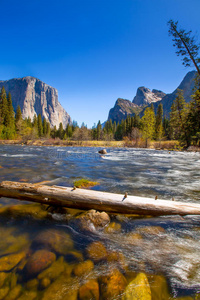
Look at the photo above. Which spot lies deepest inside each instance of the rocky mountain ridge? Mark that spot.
(36, 97)
(145, 97)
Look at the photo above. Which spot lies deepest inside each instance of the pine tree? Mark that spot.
(10, 119)
(44, 125)
(48, 130)
(186, 45)
(158, 124)
(60, 131)
(148, 124)
(98, 131)
(178, 119)
(18, 120)
(4, 107)
(193, 119)
(40, 127)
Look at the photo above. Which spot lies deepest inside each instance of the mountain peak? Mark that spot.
(145, 96)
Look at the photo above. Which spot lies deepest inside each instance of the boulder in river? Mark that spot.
(39, 261)
(8, 262)
(103, 151)
(89, 290)
(96, 251)
(93, 220)
(138, 288)
(83, 268)
(112, 285)
(55, 240)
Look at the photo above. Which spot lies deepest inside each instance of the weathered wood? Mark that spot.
(90, 199)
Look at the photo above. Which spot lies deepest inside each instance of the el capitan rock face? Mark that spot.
(36, 97)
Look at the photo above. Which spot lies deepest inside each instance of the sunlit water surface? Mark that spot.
(173, 251)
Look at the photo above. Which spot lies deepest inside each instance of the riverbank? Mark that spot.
(161, 145)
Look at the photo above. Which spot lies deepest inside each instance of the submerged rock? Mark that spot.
(113, 227)
(159, 288)
(3, 292)
(28, 295)
(151, 230)
(138, 289)
(64, 288)
(93, 220)
(8, 262)
(39, 261)
(32, 284)
(3, 277)
(96, 251)
(56, 240)
(89, 290)
(14, 293)
(35, 210)
(112, 285)
(83, 268)
(54, 271)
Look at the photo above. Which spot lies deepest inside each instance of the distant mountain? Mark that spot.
(122, 109)
(187, 85)
(145, 97)
(36, 97)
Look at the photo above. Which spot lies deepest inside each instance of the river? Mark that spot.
(165, 250)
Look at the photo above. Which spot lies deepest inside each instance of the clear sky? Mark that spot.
(94, 51)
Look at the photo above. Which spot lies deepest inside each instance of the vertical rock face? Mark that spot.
(36, 97)
(145, 96)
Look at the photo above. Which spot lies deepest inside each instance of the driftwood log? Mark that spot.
(90, 199)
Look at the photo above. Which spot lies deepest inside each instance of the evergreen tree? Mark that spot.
(98, 131)
(18, 120)
(158, 124)
(69, 130)
(185, 44)
(193, 119)
(178, 119)
(40, 127)
(48, 130)
(4, 107)
(148, 124)
(44, 125)
(60, 131)
(10, 119)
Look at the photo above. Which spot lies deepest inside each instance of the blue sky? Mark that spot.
(94, 51)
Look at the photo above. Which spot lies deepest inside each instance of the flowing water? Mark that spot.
(165, 249)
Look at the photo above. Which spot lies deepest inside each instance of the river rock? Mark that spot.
(23, 210)
(28, 295)
(103, 151)
(96, 251)
(3, 277)
(32, 284)
(151, 230)
(113, 227)
(138, 289)
(64, 288)
(3, 292)
(93, 220)
(54, 271)
(45, 282)
(14, 293)
(83, 268)
(159, 288)
(112, 285)
(8, 262)
(56, 240)
(39, 261)
(89, 290)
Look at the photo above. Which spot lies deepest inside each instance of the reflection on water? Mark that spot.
(52, 256)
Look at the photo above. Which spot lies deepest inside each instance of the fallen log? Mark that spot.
(90, 199)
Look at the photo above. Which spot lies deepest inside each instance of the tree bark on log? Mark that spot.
(90, 199)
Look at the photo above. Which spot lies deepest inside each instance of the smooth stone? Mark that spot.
(3, 292)
(62, 289)
(3, 277)
(151, 230)
(54, 271)
(96, 251)
(56, 240)
(32, 284)
(28, 295)
(8, 262)
(89, 290)
(23, 210)
(138, 289)
(159, 288)
(112, 285)
(83, 268)
(14, 293)
(39, 261)
(45, 282)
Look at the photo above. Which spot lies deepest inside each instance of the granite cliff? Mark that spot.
(145, 96)
(36, 97)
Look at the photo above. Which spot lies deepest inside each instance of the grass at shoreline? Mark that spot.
(158, 145)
